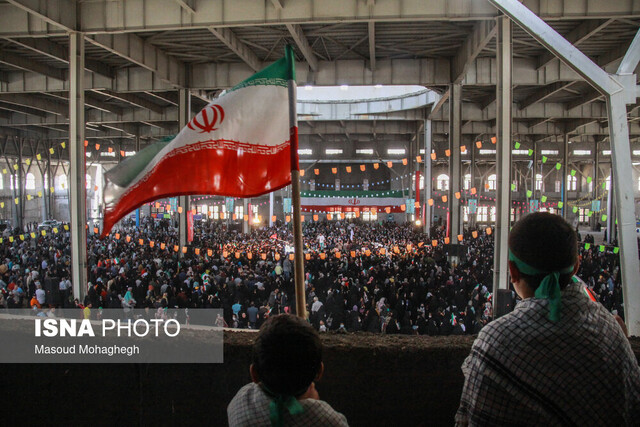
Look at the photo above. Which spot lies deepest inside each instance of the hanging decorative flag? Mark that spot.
(560, 205)
(348, 168)
(575, 209)
(529, 194)
(376, 165)
(463, 149)
(474, 234)
(573, 172)
(473, 190)
(447, 152)
(301, 172)
(616, 250)
(430, 202)
(589, 179)
(558, 166)
(530, 153)
(51, 151)
(479, 144)
(460, 237)
(434, 243)
(457, 194)
(405, 161)
(601, 248)
(389, 165)
(513, 187)
(239, 146)
(604, 217)
(543, 199)
(363, 168)
(334, 170)
(494, 139)
(488, 231)
(444, 199)
(433, 156)
(544, 159)
(38, 157)
(419, 159)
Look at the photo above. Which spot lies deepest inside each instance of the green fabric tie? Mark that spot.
(279, 404)
(549, 288)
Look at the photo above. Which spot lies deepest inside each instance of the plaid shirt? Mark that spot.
(250, 407)
(525, 370)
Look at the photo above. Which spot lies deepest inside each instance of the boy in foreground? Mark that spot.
(287, 360)
(558, 358)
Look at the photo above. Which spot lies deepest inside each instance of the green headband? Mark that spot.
(279, 404)
(549, 287)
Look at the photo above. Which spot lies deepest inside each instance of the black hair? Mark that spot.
(546, 242)
(287, 355)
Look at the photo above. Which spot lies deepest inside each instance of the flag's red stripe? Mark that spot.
(208, 171)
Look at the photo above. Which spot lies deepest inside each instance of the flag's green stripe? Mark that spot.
(127, 170)
(276, 74)
(377, 194)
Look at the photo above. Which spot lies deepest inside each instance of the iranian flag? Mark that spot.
(240, 145)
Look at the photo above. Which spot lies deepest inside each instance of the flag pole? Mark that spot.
(301, 304)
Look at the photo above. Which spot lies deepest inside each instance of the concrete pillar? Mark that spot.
(247, 214)
(594, 182)
(455, 137)
(503, 162)
(271, 209)
(427, 175)
(565, 174)
(184, 115)
(77, 200)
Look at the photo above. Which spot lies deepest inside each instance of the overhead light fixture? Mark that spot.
(378, 86)
(308, 87)
(344, 87)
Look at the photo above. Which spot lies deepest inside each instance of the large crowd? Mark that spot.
(359, 276)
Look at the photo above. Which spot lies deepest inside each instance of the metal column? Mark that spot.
(455, 138)
(77, 202)
(427, 175)
(565, 174)
(246, 214)
(534, 169)
(594, 181)
(503, 162)
(271, 209)
(184, 115)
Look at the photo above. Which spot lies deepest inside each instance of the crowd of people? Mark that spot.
(397, 282)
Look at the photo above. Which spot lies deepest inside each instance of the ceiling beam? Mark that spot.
(61, 53)
(303, 44)
(228, 37)
(576, 36)
(187, 5)
(61, 13)
(277, 4)
(481, 34)
(586, 98)
(33, 66)
(133, 99)
(35, 102)
(134, 49)
(544, 93)
(22, 110)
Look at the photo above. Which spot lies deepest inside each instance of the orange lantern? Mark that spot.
(329, 216)
(194, 211)
(95, 230)
(444, 199)
(403, 207)
(315, 217)
(237, 254)
(447, 152)
(433, 156)
(389, 165)
(342, 215)
(376, 165)
(405, 161)
(117, 236)
(86, 143)
(357, 212)
(128, 239)
(249, 255)
(176, 248)
(473, 190)
(396, 249)
(234, 217)
(277, 256)
(479, 144)
(488, 230)
(179, 209)
(246, 218)
(97, 146)
(353, 254)
(184, 249)
(141, 242)
(363, 168)
(463, 148)
(348, 168)
(419, 159)
(291, 256)
(316, 171)
(301, 172)
(457, 194)
(494, 139)
(307, 257)
(197, 251)
(273, 218)
(162, 246)
(334, 170)
(301, 218)
(446, 240)
(110, 149)
(434, 243)
(152, 244)
(287, 218)
(409, 248)
(460, 237)
(430, 202)
(323, 255)
(225, 254)
(263, 256)
(383, 251)
(487, 186)
(474, 234)
(121, 153)
(367, 252)
(417, 205)
(337, 254)
(387, 209)
(209, 252)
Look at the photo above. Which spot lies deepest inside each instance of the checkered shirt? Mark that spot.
(526, 370)
(250, 407)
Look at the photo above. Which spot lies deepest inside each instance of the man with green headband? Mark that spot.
(287, 360)
(559, 358)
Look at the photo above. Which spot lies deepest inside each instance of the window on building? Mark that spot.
(583, 218)
(558, 186)
(216, 212)
(239, 211)
(572, 183)
(1, 182)
(61, 182)
(467, 181)
(30, 182)
(492, 213)
(608, 183)
(442, 182)
(481, 215)
(370, 216)
(13, 182)
(539, 182)
(87, 181)
(513, 215)
(491, 180)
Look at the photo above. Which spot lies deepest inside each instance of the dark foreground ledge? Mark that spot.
(372, 379)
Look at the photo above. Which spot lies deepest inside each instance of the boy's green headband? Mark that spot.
(549, 287)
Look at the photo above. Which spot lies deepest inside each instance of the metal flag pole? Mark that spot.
(301, 304)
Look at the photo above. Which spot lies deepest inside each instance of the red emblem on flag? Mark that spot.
(207, 119)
